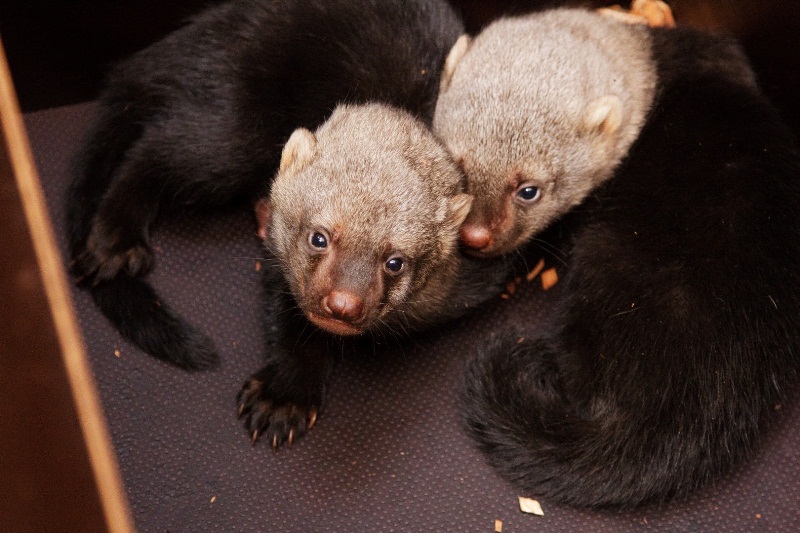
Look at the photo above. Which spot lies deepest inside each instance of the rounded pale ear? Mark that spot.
(603, 115)
(299, 149)
(460, 205)
(453, 59)
(263, 209)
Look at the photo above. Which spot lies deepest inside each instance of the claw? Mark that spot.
(241, 410)
(275, 443)
(312, 418)
(290, 440)
(254, 438)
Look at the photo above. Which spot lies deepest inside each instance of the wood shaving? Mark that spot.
(536, 270)
(258, 266)
(511, 288)
(498, 526)
(656, 12)
(527, 505)
(549, 278)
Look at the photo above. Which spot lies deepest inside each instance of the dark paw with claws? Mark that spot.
(271, 411)
(106, 254)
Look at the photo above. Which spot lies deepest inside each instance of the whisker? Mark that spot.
(554, 250)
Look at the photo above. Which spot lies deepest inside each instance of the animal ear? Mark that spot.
(299, 149)
(460, 205)
(453, 59)
(603, 115)
(263, 209)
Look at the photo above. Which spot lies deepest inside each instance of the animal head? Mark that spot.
(363, 217)
(538, 111)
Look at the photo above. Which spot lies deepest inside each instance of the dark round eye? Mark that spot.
(394, 265)
(528, 193)
(318, 240)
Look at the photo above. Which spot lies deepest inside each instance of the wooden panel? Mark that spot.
(57, 469)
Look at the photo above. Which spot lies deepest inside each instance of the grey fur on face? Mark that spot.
(550, 102)
(375, 183)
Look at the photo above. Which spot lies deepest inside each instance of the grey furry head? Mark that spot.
(367, 207)
(539, 110)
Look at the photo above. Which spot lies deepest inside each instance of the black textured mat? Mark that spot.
(388, 455)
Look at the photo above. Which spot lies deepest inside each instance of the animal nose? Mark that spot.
(343, 306)
(476, 237)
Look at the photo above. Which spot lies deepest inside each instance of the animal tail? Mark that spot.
(135, 309)
(130, 303)
(517, 409)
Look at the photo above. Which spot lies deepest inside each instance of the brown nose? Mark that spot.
(476, 237)
(344, 306)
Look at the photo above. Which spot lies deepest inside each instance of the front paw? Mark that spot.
(106, 254)
(281, 418)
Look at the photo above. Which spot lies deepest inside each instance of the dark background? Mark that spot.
(58, 51)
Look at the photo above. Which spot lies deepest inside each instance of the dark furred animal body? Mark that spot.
(373, 253)
(679, 309)
(197, 121)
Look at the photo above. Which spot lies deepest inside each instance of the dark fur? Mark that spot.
(680, 305)
(197, 121)
(281, 400)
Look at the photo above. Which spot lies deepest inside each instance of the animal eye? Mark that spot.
(528, 193)
(394, 265)
(318, 240)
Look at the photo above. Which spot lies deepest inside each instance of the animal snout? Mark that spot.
(344, 306)
(476, 237)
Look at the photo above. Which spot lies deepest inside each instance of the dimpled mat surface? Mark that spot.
(388, 454)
